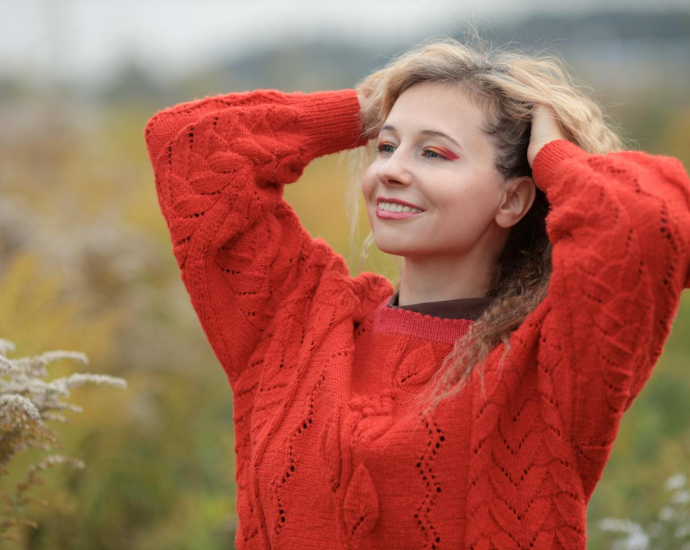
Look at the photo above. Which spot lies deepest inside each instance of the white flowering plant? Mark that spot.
(27, 401)
(671, 529)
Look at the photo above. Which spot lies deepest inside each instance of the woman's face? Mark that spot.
(451, 178)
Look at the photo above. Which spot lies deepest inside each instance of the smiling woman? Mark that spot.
(474, 406)
(451, 251)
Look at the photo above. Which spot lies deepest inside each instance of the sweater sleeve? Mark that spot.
(619, 225)
(220, 165)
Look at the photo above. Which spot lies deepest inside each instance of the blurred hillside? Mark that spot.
(621, 52)
(86, 264)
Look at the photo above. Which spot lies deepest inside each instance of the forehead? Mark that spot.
(442, 106)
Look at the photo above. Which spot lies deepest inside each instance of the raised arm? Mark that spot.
(220, 165)
(620, 229)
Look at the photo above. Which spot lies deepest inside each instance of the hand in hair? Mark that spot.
(545, 128)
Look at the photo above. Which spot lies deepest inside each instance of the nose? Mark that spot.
(394, 170)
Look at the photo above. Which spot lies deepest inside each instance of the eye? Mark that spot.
(382, 149)
(435, 153)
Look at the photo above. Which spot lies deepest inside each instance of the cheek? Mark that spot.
(368, 184)
(448, 196)
(464, 202)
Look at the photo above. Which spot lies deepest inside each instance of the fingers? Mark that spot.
(545, 124)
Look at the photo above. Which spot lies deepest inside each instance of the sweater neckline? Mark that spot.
(398, 320)
(458, 308)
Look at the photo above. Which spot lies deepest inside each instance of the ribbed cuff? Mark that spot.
(331, 120)
(546, 163)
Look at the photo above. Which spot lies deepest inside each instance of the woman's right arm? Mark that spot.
(220, 165)
(620, 228)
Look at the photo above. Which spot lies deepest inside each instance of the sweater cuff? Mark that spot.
(546, 163)
(330, 121)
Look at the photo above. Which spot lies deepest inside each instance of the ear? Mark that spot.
(518, 197)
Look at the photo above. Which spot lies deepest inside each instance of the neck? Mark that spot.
(433, 279)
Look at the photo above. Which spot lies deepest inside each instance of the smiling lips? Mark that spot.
(395, 215)
(387, 214)
(380, 199)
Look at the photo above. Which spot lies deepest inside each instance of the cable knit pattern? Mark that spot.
(331, 450)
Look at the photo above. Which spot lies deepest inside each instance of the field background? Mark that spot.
(86, 265)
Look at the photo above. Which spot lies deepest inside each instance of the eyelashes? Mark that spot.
(381, 149)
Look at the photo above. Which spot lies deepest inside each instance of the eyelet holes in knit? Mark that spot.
(255, 531)
(479, 448)
(516, 416)
(358, 329)
(526, 471)
(304, 425)
(436, 440)
(664, 231)
(515, 450)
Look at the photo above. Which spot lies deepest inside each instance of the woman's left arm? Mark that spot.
(619, 225)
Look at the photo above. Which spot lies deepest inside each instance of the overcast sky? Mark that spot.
(82, 38)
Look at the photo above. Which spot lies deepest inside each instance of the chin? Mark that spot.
(389, 247)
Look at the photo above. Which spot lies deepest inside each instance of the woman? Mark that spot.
(473, 405)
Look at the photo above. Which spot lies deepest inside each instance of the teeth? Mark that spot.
(393, 207)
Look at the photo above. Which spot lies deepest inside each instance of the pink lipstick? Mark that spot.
(395, 215)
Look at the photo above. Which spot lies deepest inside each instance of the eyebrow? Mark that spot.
(426, 133)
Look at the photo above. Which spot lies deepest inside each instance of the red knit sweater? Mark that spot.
(330, 452)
